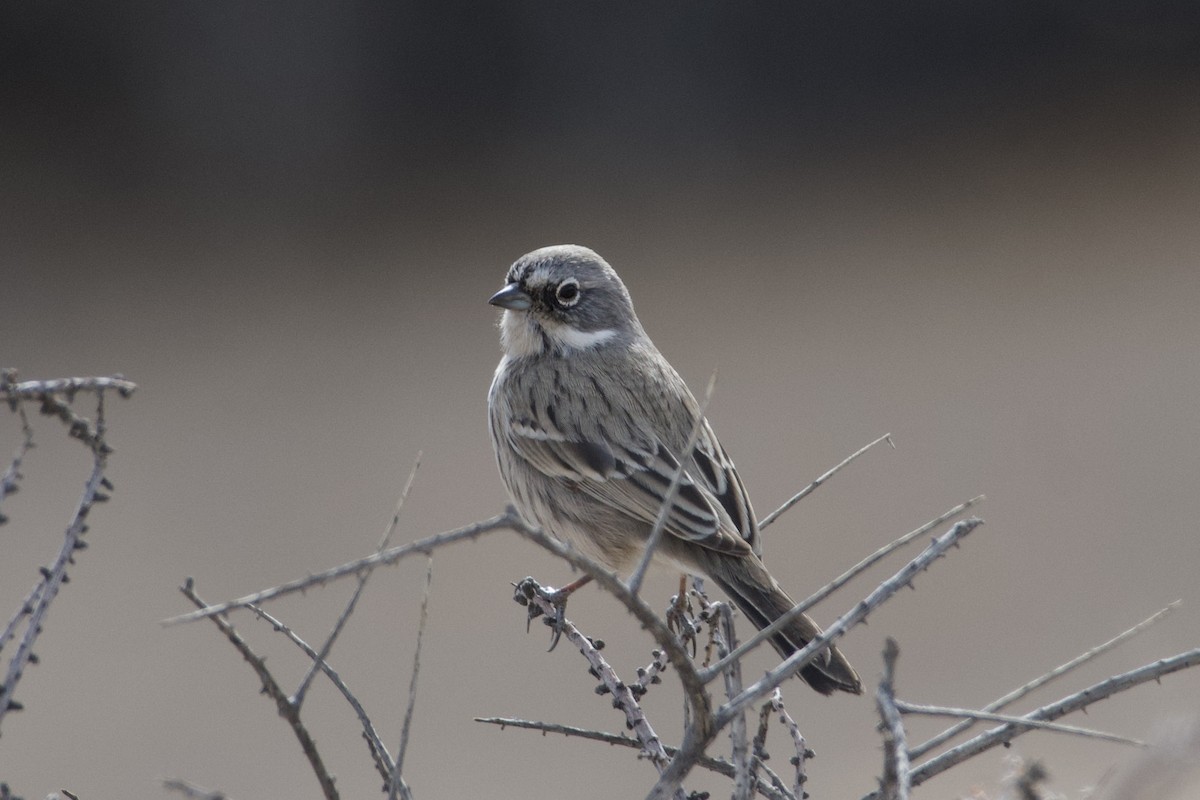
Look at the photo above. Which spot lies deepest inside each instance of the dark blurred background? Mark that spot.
(971, 225)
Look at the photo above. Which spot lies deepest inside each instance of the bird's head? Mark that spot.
(561, 299)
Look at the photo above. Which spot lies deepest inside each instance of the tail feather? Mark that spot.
(763, 602)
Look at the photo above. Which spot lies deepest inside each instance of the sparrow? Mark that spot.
(589, 423)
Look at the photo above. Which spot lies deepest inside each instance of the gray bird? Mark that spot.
(589, 422)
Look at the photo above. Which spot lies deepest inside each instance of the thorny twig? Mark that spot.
(800, 760)
(698, 736)
(55, 398)
(985, 716)
(529, 593)
(897, 779)
(740, 752)
(838, 582)
(273, 690)
(379, 752)
(387, 557)
(1074, 702)
(720, 766)
(1042, 680)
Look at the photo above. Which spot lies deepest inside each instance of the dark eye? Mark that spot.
(567, 293)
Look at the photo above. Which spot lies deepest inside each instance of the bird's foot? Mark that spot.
(524, 591)
(680, 616)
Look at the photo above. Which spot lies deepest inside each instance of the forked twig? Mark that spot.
(697, 737)
(1074, 702)
(1042, 680)
(273, 690)
(363, 577)
(985, 716)
(379, 753)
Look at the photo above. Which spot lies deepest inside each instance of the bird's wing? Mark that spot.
(717, 473)
(709, 505)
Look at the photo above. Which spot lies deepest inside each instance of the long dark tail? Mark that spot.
(759, 597)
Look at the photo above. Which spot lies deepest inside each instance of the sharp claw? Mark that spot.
(560, 617)
(559, 599)
(524, 592)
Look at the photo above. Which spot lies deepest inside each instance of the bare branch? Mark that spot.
(740, 754)
(1075, 702)
(37, 604)
(51, 395)
(10, 480)
(34, 390)
(379, 752)
(649, 674)
(327, 648)
(807, 490)
(384, 558)
(896, 780)
(717, 765)
(837, 583)
(696, 738)
(801, 747)
(26, 608)
(272, 689)
(623, 697)
(412, 684)
(945, 711)
(664, 508)
(689, 678)
(395, 520)
(885, 590)
(1042, 680)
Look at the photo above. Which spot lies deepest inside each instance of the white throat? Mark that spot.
(520, 336)
(581, 340)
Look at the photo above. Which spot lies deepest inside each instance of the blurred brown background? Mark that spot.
(971, 225)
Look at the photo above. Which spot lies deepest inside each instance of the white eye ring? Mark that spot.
(567, 293)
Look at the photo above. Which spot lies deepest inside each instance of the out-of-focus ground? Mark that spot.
(974, 227)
